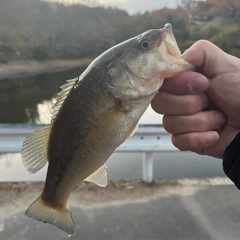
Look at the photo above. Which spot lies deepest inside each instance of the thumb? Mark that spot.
(209, 59)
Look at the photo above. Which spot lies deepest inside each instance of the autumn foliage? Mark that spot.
(33, 29)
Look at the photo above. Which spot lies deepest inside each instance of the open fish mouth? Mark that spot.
(170, 41)
(171, 54)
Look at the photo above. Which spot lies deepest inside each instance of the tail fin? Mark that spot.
(42, 212)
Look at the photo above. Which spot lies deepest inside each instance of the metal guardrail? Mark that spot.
(149, 139)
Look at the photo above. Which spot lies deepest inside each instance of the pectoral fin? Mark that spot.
(99, 177)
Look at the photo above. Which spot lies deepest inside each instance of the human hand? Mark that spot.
(183, 98)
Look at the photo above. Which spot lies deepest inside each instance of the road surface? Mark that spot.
(206, 209)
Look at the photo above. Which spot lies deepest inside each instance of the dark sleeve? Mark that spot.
(231, 161)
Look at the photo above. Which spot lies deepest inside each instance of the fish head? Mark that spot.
(144, 64)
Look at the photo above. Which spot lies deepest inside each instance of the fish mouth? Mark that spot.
(170, 41)
(171, 54)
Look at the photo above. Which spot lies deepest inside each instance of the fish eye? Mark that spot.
(145, 44)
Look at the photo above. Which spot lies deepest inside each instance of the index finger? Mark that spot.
(209, 59)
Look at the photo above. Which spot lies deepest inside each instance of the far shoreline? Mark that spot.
(31, 68)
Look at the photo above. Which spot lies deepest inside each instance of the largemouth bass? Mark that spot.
(93, 115)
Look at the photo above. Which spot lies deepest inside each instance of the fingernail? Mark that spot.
(199, 84)
(219, 119)
(210, 138)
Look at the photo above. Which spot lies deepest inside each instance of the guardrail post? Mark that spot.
(147, 167)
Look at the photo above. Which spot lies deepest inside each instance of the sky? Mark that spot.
(131, 6)
(135, 6)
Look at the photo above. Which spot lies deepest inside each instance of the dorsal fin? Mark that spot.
(99, 177)
(62, 96)
(34, 149)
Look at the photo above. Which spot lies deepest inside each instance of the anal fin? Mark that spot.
(99, 177)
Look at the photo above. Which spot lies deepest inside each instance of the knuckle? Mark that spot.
(204, 122)
(201, 151)
(196, 103)
(178, 143)
(189, 142)
(209, 120)
(158, 103)
(166, 124)
(192, 105)
(155, 104)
